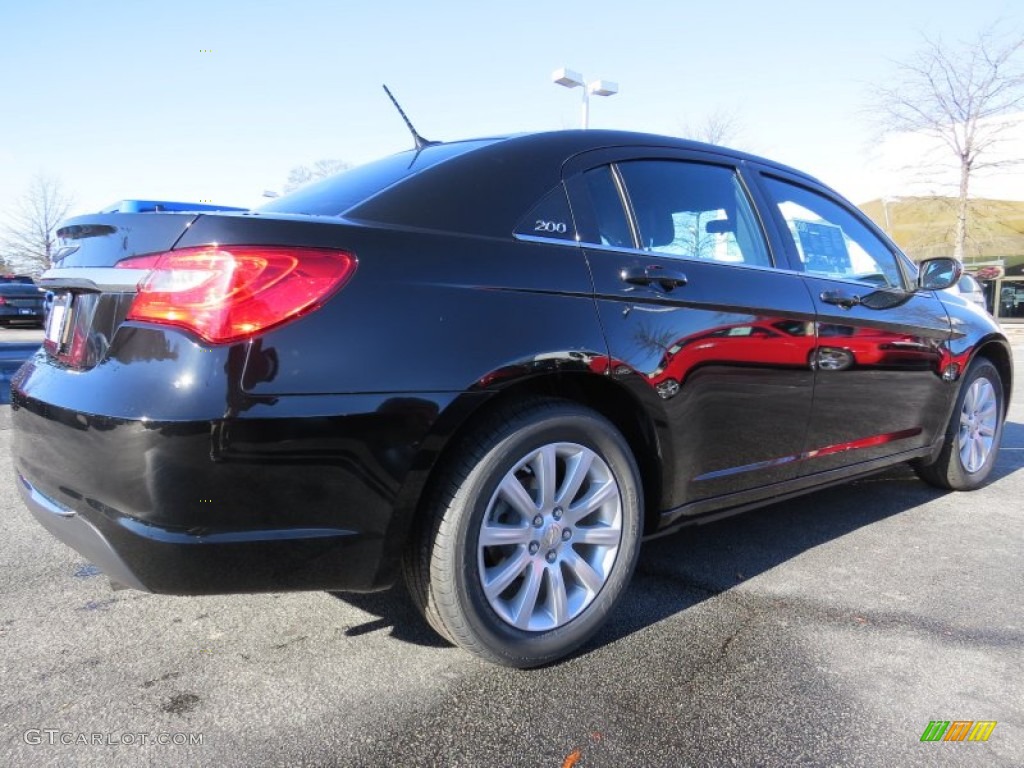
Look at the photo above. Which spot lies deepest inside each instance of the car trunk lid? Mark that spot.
(90, 294)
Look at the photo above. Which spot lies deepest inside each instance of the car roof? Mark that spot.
(487, 188)
(576, 141)
(477, 186)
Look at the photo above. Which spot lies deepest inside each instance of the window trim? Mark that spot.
(656, 254)
(627, 203)
(663, 255)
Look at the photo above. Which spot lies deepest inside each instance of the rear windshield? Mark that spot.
(334, 196)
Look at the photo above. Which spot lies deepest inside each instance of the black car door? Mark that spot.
(879, 386)
(713, 340)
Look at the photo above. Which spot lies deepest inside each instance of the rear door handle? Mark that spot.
(667, 279)
(840, 299)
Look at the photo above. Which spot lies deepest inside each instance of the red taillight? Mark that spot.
(229, 293)
(2, 301)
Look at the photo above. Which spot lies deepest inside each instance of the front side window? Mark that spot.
(693, 211)
(830, 240)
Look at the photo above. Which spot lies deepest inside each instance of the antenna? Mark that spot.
(418, 140)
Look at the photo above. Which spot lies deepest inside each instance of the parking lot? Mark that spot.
(828, 630)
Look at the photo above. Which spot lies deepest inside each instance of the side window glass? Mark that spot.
(830, 240)
(610, 217)
(549, 218)
(694, 211)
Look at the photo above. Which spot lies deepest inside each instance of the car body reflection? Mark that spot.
(780, 342)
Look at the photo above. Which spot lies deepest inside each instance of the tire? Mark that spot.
(508, 566)
(971, 442)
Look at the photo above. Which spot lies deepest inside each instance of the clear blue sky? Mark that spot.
(118, 99)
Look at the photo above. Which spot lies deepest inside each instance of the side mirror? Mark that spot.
(719, 227)
(938, 274)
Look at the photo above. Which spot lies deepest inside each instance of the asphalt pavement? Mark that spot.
(828, 630)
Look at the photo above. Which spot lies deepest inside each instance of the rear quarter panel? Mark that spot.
(424, 311)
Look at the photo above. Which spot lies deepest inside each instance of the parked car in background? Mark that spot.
(21, 303)
(971, 290)
(490, 367)
(22, 279)
(1011, 300)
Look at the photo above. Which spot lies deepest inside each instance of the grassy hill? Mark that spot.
(923, 228)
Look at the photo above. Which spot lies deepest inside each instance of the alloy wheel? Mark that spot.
(979, 418)
(549, 537)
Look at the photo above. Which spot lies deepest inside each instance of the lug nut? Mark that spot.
(538, 521)
(566, 534)
(557, 514)
(534, 546)
(551, 556)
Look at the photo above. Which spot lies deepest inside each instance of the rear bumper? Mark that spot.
(156, 559)
(78, 533)
(9, 315)
(288, 493)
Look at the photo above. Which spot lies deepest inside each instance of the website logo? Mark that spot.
(958, 730)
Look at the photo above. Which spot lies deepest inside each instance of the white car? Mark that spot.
(970, 289)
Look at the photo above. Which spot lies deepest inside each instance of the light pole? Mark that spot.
(571, 79)
(885, 209)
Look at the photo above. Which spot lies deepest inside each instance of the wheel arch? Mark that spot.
(997, 352)
(595, 391)
(945, 468)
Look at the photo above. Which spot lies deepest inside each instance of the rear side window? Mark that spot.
(694, 211)
(335, 195)
(612, 226)
(550, 218)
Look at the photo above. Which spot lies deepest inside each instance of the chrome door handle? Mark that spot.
(667, 279)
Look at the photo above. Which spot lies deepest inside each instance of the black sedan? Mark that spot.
(493, 366)
(21, 303)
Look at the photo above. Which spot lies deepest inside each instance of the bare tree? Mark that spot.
(719, 127)
(962, 96)
(321, 169)
(29, 237)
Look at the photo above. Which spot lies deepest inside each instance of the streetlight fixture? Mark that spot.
(571, 79)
